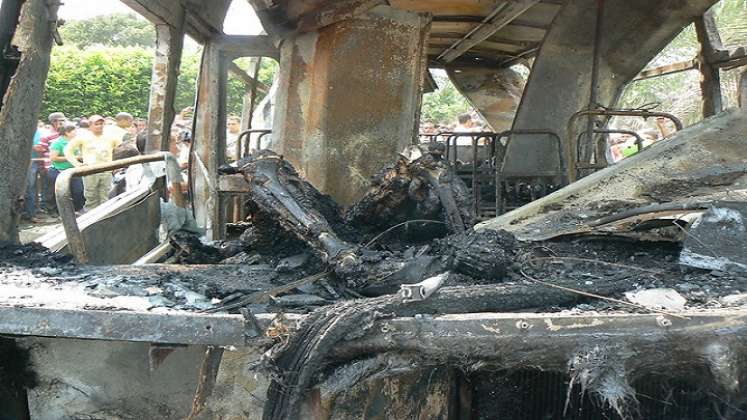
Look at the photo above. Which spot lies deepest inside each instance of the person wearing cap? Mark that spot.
(123, 127)
(95, 147)
(38, 170)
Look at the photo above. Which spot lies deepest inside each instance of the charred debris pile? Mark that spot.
(407, 249)
(415, 224)
(299, 251)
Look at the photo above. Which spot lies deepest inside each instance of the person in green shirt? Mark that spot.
(60, 163)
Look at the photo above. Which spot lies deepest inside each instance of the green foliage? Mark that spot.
(102, 80)
(445, 104)
(680, 93)
(236, 88)
(106, 67)
(108, 80)
(116, 30)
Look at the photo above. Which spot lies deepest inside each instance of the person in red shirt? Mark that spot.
(56, 120)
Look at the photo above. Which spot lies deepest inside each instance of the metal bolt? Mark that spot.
(663, 322)
(523, 325)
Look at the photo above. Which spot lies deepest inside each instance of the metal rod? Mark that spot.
(479, 26)
(572, 142)
(593, 89)
(247, 134)
(638, 138)
(475, 182)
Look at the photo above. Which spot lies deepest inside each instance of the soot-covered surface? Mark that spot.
(538, 395)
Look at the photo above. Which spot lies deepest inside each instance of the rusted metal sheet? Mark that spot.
(634, 32)
(168, 53)
(333, 12)
(174, 327)
(699, 164)
(495, 93)
(209, 140)
(347, 97)
(108, 380)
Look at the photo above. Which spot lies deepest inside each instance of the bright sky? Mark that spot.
(241, 19)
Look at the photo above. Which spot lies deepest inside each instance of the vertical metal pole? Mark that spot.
(743, 90)
(239, 213)
(475, 183)
(585, 148)
(710, 75)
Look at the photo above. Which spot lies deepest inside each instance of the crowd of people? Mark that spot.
(61, 144)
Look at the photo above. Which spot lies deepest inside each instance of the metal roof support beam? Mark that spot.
(209, 140)
(198, 23)
(333, 12)
(235, 46)
(249, 81)
(667, 69)
(494, 22)
(710, 80)
(166, 63)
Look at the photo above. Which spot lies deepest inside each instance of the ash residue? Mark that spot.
(30, 255)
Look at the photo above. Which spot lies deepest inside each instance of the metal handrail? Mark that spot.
(247, 144)
(600, 156)
(572, 146)
(65, 205)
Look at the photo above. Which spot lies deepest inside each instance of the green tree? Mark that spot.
(116, 30)
(444, 105)
(100, 80)
(679, 93)
(108, 80)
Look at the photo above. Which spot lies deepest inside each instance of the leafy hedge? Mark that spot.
(108, 80)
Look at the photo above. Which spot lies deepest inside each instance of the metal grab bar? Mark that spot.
(247, 144)
(64, 195)
(572, 146)
(601, 159)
